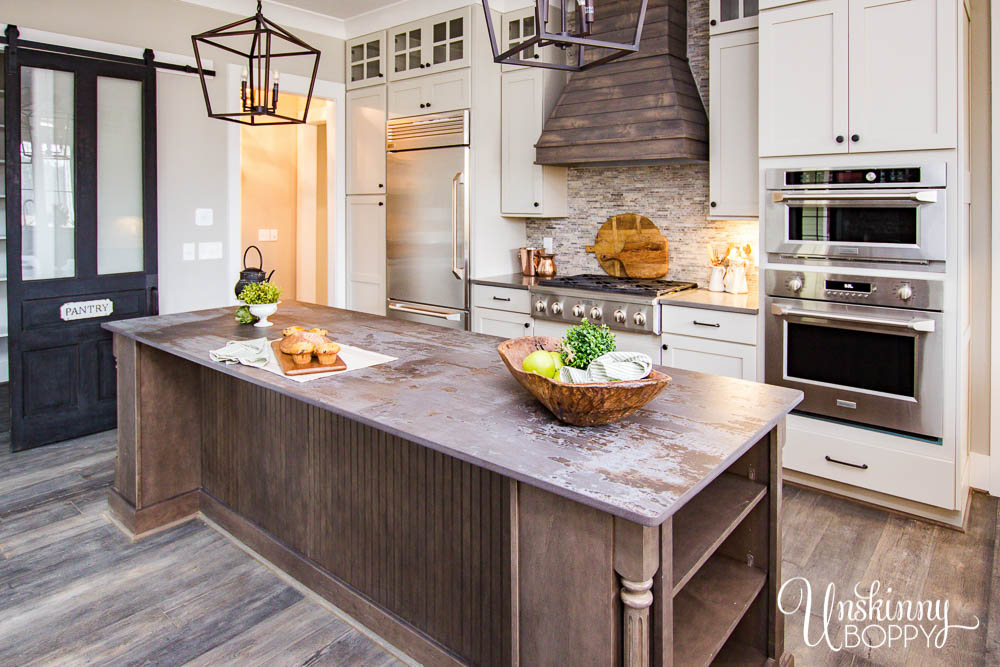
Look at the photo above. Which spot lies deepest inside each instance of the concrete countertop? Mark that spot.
(513, 280)
(449, 391)
(702, 298)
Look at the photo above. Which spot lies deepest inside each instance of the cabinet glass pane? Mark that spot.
(414, 38)
(440, 54)
(529, 26)
(750, 8)
(357, 53)
(119, 175)
(48, 217)
(414, 59)
(455, 28)
(440, 32)
(456, 50)
(357, 72)
(729, 9)
(399, 42)
(514, 30)
(373, 69)
(373, 49)
(400, 63)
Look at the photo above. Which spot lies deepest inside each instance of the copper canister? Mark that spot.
(546, 265)
(529, 260)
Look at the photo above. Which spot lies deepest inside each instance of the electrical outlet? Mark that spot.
(188, 252)
(211, 250)
(203, 217)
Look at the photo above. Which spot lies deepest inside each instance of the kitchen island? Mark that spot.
(438, 503)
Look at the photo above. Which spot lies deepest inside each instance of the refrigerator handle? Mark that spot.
(459, 271)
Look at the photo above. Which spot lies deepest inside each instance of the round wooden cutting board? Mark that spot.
(631, 246)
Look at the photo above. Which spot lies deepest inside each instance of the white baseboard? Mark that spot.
(979, 471)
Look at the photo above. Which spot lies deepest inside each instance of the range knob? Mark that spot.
(595, 313)
(556, 308)
(795, 284)
(905, 292)
(578, 310)
(639, 319)
(620, 316)
(540, 306)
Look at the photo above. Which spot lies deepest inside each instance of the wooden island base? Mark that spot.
(448, 561)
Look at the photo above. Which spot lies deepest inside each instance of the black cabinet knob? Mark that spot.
(840, 138)
(427, 64)
(421, 65)
(428, 105)
(381, 203)
(712, 22)
(855, 138)
(536, 56)
(380, 185)
(713, 204)
(422, 105)
(665, 346)
(527, 325)
(380, 75)
(537, 204)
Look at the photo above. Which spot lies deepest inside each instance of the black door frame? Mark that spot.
(85, 203)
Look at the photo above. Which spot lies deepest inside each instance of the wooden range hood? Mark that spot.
(639, 110)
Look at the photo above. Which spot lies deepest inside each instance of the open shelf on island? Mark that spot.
(710, 606)
(708, 519)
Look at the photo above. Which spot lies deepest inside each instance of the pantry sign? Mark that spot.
(82, 310)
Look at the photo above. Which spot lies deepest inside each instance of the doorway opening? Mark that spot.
(286, 195)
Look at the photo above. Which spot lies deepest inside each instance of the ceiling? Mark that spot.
(340, 9)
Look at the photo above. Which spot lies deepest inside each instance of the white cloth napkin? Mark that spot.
(610, 367)
(254, 353)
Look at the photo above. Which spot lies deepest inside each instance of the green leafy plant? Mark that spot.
(256, 294)
(585, 342)
(244, 316)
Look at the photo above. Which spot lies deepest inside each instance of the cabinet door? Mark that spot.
(406, 51)
(366, 60)
(522, 117)
(709, 356)
(500, 323)
(803, 79)
(406, 98)
(449, 91)
(366, 254)
(731, 15)
(733, 161)
(366, 141)
(449, 45)
(904, 93)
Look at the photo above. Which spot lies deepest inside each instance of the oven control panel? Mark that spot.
(915, 293)
(572, 309)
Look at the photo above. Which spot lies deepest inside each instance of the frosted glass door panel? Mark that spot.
(48, 215)
(119, 175)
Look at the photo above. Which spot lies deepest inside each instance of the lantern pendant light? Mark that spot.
(262, 44)
(562, 36)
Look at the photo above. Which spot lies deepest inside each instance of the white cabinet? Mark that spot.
(527, 95)
(435, 93)
(839, 76)
(733, 161)
(366, 253)
(731, 15)
(709, 356)
(500, 323)
(366, 108)
(366, 60)
(427, 46)
(519, 26)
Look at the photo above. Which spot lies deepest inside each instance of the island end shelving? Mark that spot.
(440, 505)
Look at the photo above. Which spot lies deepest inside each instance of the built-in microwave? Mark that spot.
(882, 215)
(864, 350)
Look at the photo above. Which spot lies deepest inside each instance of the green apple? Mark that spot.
(557, 359)
(540, 362)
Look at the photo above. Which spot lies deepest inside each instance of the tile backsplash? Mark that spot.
(674, 197)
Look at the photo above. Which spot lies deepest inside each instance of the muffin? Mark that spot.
(320, 332)
(302, 352)
(327, 353)
(290, 330)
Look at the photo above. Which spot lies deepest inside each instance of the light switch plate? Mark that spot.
(203, 217)
(274, 234)
(188, 252)
(262, 234)
(210, 250)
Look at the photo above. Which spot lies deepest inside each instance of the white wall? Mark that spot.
(192, 149)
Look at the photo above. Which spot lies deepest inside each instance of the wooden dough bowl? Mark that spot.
(591, 404)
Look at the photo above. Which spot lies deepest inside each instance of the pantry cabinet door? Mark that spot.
(366, 60)
(733, 161)
(500, 323)
(522, 108)
(803, 79)
(366, 254)
(904, 90)
(366, 141)
(715, 357)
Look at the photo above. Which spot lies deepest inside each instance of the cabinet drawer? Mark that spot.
(897, 466)
(501, 298)
(714, 357)
(712, 324)
(500, 323)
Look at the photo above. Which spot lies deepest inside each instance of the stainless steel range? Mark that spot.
(624, 304)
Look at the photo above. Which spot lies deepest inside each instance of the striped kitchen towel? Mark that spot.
(610, 367)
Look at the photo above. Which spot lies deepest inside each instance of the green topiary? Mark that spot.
(584, 343)
(256, 294)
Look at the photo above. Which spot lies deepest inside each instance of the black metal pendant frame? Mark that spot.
(260, 102)
(562, 39)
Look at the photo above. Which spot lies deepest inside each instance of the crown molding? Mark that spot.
(284, 15)
(405, 11)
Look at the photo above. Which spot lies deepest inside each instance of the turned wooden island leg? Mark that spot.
(637, 558)
(158, 468)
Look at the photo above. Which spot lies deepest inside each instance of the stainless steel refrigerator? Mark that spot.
(427, 218)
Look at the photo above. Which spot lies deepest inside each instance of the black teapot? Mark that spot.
(251, 275)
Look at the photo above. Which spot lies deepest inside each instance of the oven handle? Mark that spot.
(921, 197)
(926, 326)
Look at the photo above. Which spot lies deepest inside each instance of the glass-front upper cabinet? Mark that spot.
(519, 26)
(731, 15)
(366, 60)
(436, 44)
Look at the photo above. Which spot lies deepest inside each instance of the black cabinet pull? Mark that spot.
(422, 105)
(421, 65)
(840, 138)
(428, 105)
(707, 324)
(713, 204)
(712, 22)
(527, 325)
(380, 185)
(666, 347)
(855, 138)
(501, 298)
(536, 56)
(381, 203)
(427, 65)
(537, 204)
(863, 466)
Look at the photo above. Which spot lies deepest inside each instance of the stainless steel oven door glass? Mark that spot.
(872, 365)
(871, 215)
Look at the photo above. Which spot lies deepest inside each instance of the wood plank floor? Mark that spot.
(74, 590)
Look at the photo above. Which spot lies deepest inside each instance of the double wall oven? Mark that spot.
(865, 346)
